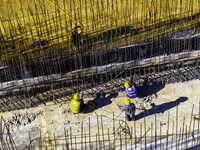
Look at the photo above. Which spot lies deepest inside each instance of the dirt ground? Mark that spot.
(52, 119)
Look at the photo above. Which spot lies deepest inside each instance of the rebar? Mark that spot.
(121, 40)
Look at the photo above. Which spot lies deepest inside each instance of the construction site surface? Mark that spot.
(174, 111)
(154, 44)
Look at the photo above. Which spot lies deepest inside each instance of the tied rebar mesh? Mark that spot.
(121, 40)
(40, 62)
(120, 135)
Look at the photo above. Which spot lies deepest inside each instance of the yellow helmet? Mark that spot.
(79, 31)
(127, 101)
(76, 96)
(127, 84)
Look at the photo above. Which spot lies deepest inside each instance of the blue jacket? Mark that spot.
(131, 92)
(129, 109)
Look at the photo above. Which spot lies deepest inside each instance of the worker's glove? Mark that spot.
(81, 95)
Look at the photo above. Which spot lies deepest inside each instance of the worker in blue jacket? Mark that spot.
(130, 90)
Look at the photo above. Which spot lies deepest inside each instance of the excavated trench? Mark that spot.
(63, 64)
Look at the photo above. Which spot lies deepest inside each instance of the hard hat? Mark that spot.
(127, 84)
(79, 31)
(76, 96)
(127, 101)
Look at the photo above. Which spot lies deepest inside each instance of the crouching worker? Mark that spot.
(129, 109)
(130, 90)
(77, 105)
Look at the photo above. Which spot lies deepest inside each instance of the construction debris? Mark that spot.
(19, 119)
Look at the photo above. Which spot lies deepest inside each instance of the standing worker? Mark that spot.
(77, 104)
(76, 36)
(130, 90)
(129, 109)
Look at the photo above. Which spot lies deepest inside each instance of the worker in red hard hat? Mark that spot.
(76, 36)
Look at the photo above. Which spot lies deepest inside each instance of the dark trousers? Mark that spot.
(76, 39)
(82, 105)
(130, 117)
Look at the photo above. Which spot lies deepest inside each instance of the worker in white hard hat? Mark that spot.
(129, 109)
(130, 90)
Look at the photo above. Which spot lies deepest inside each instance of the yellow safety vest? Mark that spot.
(75, 106)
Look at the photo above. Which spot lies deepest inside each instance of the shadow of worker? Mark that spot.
(101, 100)
(160, 108)
(149, 87)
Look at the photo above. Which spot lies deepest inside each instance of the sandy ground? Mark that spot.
(54, 118)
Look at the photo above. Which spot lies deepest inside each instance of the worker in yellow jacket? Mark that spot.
(77, 104)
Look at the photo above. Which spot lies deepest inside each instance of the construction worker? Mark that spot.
(130, 90)
(77, 104)
(76, 36)
(129, 109)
